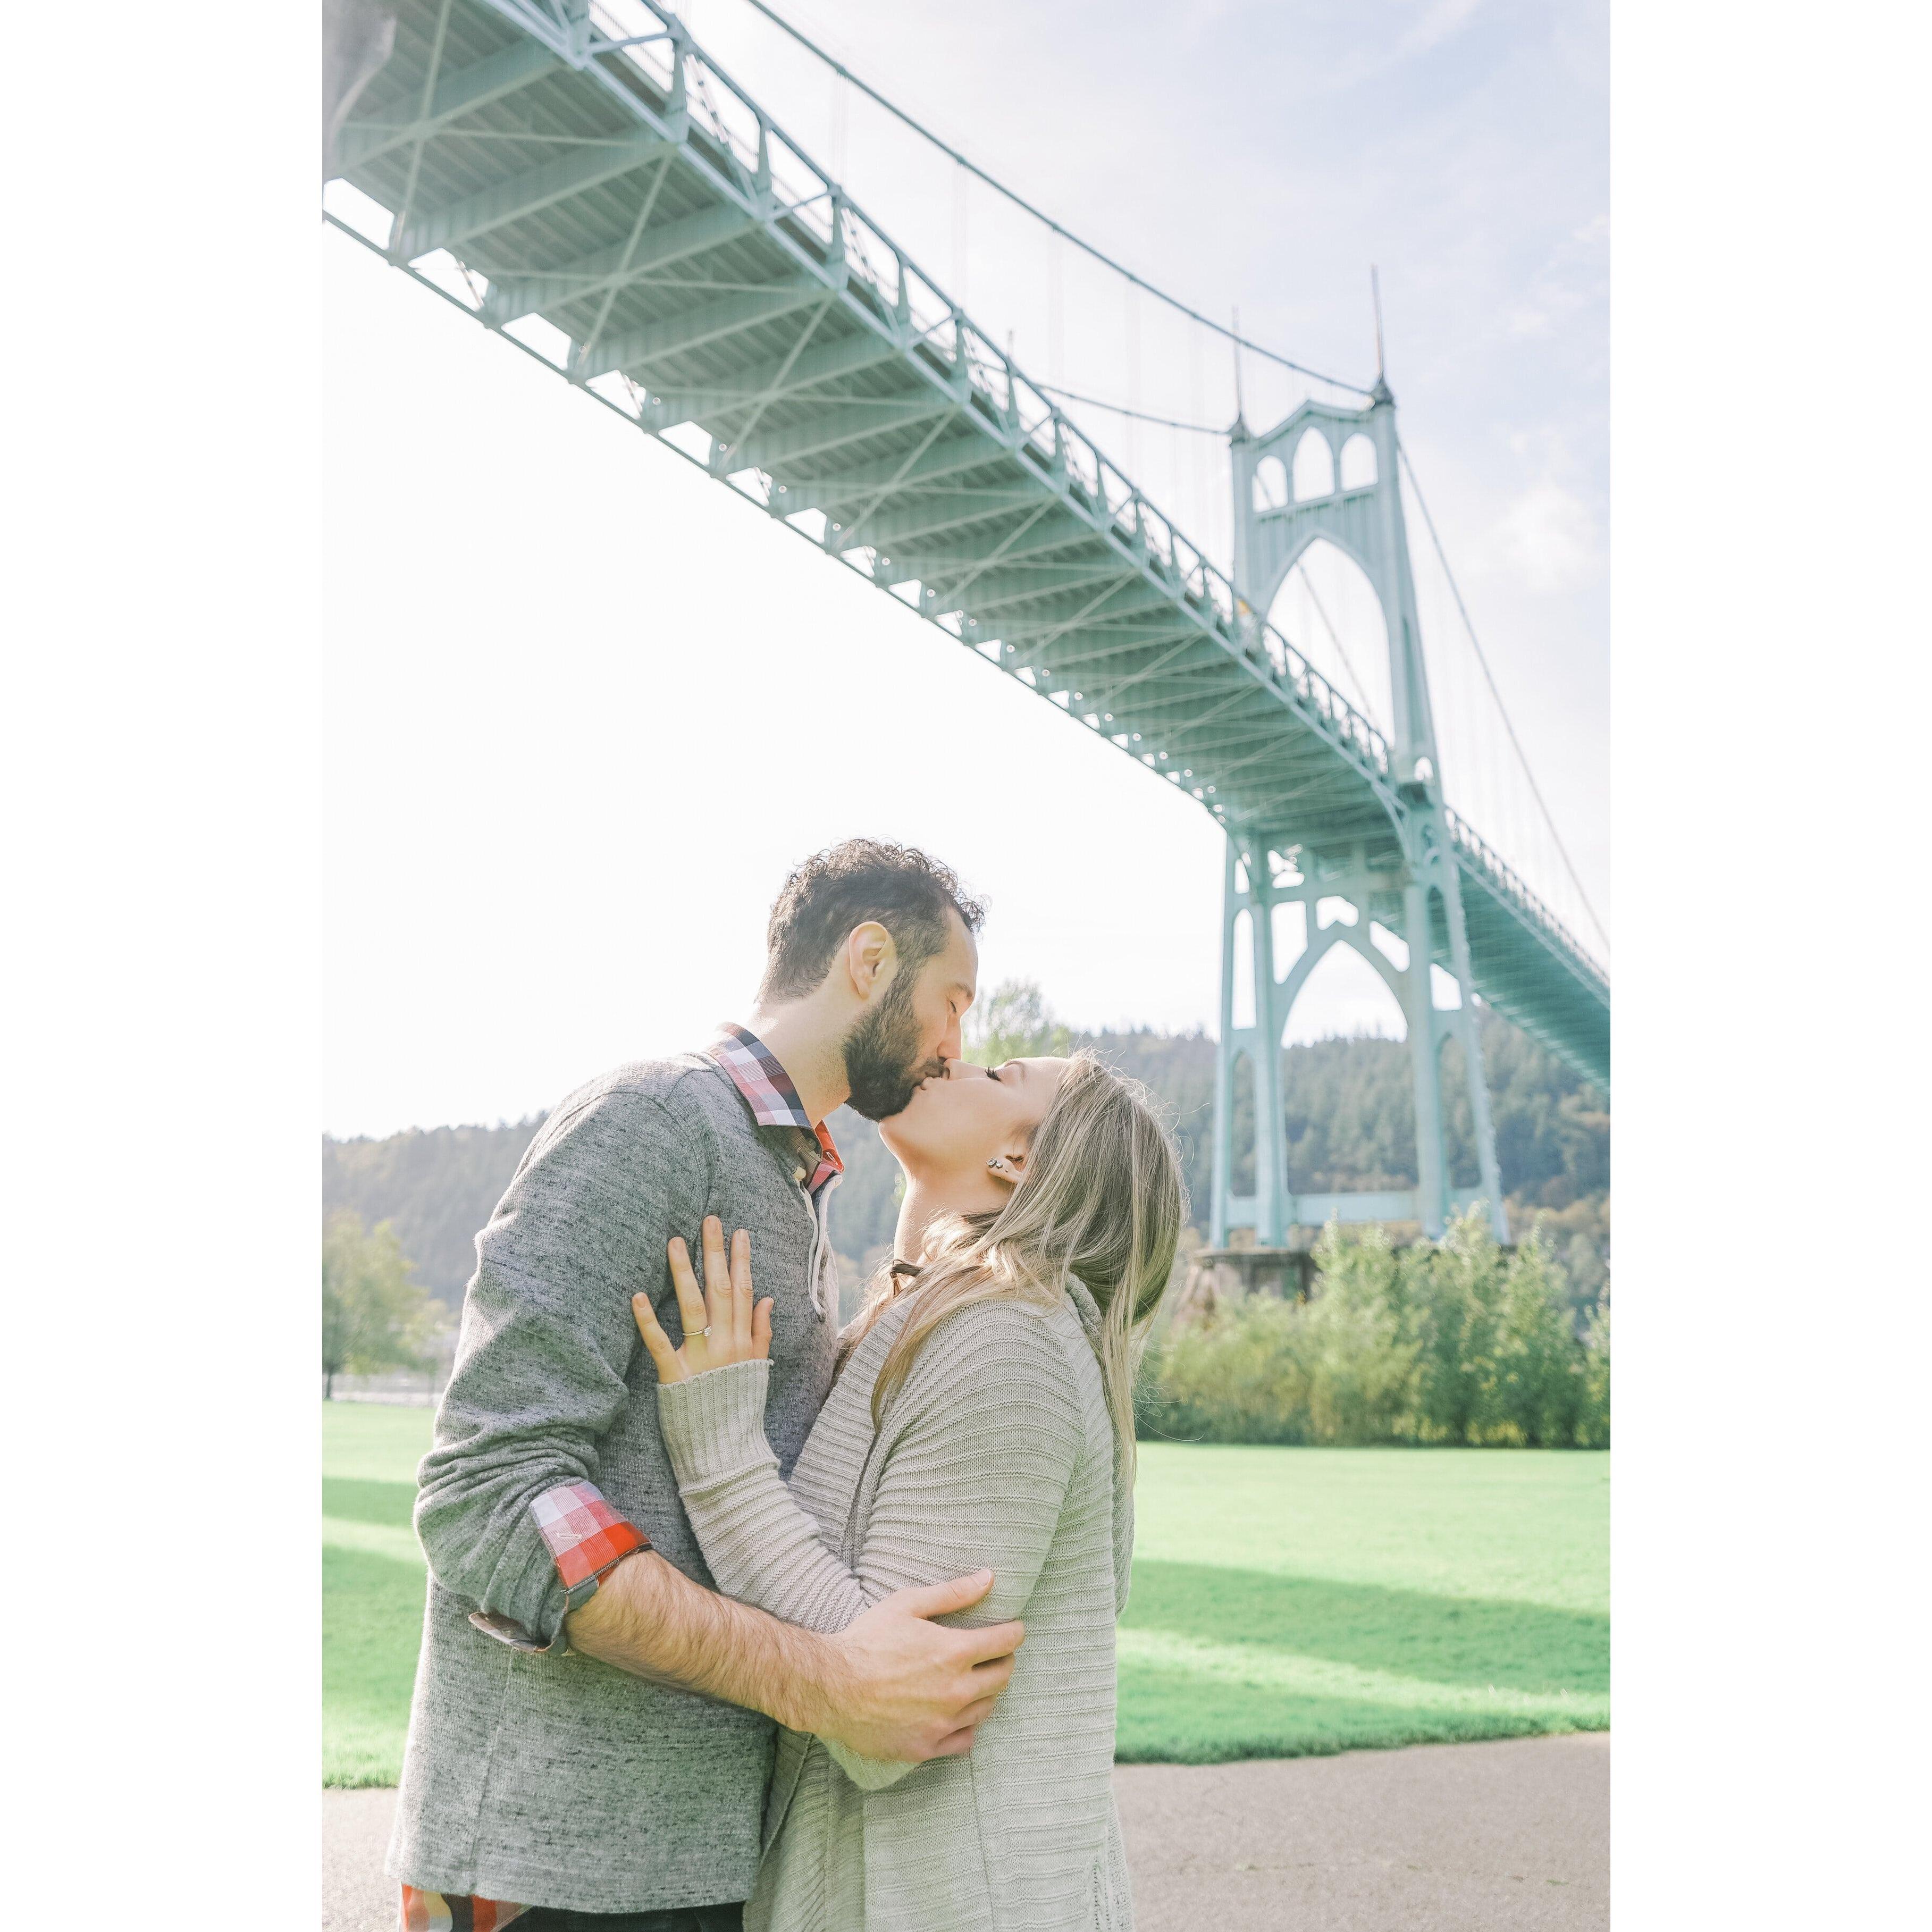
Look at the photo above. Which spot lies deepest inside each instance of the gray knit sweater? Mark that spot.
(549, 1778)
(998, 1450)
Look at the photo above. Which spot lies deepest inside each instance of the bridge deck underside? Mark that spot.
(694, 291)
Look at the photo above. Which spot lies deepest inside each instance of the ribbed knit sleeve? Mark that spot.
(979, 1446)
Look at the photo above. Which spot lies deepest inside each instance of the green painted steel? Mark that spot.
(1396, 900)
(706, 280)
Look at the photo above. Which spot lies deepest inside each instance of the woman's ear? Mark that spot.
(1010, 1167)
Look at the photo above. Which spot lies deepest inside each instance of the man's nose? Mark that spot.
(950, 1048)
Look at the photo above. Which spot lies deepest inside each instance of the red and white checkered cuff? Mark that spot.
(583, 1534)
(438, 1912)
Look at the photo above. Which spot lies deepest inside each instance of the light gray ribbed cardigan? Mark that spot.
(997, 1451)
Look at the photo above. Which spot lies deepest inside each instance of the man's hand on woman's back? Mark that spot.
(892, 1685)
(913, 1689)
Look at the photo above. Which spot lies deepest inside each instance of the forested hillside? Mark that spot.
(437, 1186)
(1350, 1124)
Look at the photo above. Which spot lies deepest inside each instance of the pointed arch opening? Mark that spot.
(1391, 945)
(1358, 463)
(1328, 609)
(1270, 485)
(1291, 933)
(1344, 998)
(1314, 466)
(1349, 1116)
(1242, 939)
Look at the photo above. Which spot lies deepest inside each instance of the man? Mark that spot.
(592, 1725)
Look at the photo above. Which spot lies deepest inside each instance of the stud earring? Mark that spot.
(999, 1167)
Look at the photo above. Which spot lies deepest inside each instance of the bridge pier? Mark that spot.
(1379, 905)
(1432, 1158)
(1402, 884)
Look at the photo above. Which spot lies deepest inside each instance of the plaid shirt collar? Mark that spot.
(759, 1075)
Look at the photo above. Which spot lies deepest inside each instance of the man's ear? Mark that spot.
(870, 958)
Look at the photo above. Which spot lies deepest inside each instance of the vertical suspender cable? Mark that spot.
(1055, 322)
(1197, 519)
(960, 262)
(835, 145)
(1000, 187)
(1502, 710)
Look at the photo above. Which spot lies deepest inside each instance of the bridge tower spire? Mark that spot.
(1395, 899)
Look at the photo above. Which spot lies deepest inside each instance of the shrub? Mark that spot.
(1361, 1360)
(1236, 1377)
(1593, 1418)
(1453, 1341)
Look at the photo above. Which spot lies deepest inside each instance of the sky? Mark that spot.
(585, 707)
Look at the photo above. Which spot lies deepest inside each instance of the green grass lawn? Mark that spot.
(372, 1586)
(1286, 1602)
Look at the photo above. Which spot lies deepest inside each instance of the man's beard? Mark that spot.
(880, 1067)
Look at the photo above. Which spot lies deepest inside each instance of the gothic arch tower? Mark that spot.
(1394, 901)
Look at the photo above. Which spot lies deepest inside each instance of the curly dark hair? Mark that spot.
(858, 880)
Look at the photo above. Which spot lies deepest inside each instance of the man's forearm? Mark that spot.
(648, 1618)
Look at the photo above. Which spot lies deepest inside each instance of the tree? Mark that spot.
(373, 1316)
(1014, 1022)
(1347, 1106)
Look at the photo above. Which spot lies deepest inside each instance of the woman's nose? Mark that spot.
(964, 1069)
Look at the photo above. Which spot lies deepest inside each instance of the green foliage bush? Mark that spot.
(1453, 1341)
(373, 1316)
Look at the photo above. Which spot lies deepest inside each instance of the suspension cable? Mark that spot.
(1020, 201)
(1308, 584)
(1489, 676)
(1138, 416)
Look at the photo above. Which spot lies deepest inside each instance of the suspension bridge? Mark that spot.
(589, 182)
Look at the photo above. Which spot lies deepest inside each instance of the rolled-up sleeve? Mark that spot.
(508, 1512)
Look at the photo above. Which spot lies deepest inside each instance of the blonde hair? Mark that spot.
(1102, 1200)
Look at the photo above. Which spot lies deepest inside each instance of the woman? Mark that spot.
(982, 1417)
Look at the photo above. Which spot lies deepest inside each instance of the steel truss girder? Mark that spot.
(785, 378)
(1056, 581)
(362, 141)
(526, 194)
(928, 515)
(1184, 696)
(1058, 535)
(951, 456)
(621, 266)
(691, 329)
(1050, 604)
(847, 423)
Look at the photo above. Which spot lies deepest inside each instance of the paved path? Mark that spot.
(1487, 1837)
(1509, 1836)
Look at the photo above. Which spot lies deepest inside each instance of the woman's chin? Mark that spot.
(900, 1131)
(921, 1107)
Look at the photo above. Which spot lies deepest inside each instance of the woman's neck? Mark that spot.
(925, 1201)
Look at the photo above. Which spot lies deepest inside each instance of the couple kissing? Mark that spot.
(736, 1618)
